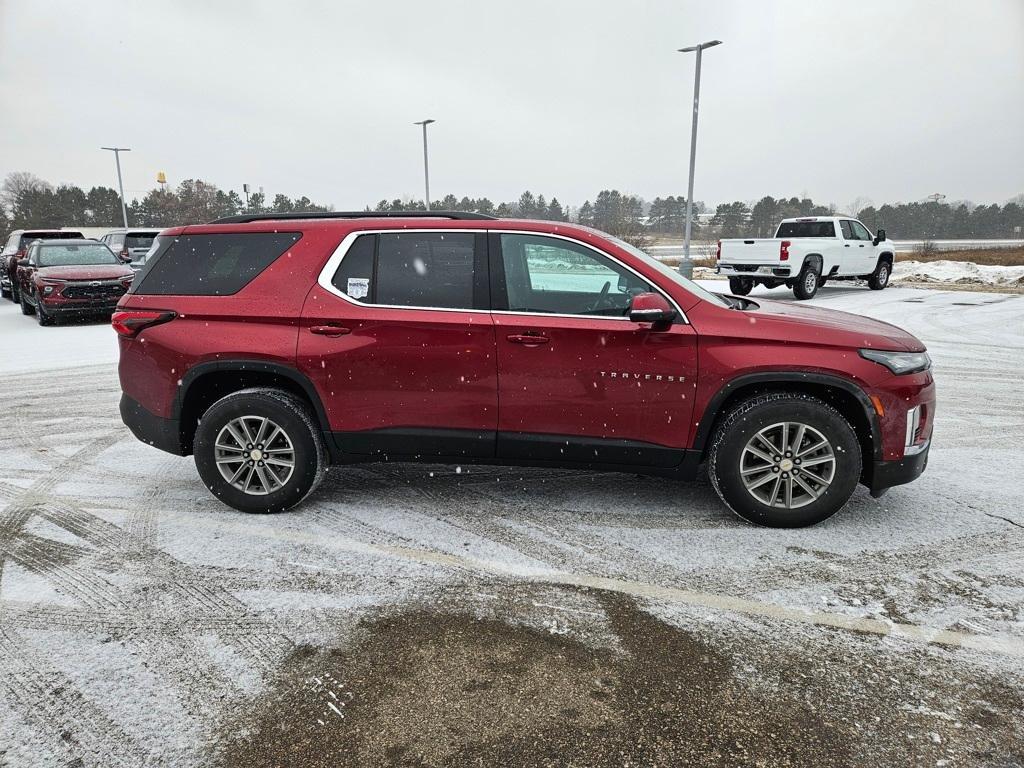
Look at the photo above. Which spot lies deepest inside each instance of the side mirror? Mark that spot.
(651, 308)
(880, 236)
(22, 262)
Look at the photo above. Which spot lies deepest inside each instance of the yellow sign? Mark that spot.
(161, 177)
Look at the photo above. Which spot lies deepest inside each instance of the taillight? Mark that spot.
(718, 251)
(129, 322)
(784, 250)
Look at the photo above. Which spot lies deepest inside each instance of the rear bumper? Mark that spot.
(161, 433)
(886, 474)
(753, 270)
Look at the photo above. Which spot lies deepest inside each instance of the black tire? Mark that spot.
(42, 317)
(297, 421)
(740, 286)
(4, 293)
(880, 277)
(745, 420)
(26, 308)
(807, 282)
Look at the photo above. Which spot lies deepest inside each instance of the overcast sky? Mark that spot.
(889, 100)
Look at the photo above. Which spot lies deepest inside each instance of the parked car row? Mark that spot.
(57, 273)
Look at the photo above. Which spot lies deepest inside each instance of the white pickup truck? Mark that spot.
(805, 253)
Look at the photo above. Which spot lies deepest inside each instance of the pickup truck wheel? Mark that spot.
(740, 286)
(26, 308)
(880, 277)
(807, 282)
(784, 460)
(260, 450)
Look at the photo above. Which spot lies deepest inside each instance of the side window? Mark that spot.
(860, 232)
(847, 232)
(210, 265)
(420, 269)
(116, 242)
(415, 269)
(545, 274)
(354, 277)
(31, 255)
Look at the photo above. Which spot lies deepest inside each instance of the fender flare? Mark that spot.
(714, 407)
(196, 372)
(813, 256)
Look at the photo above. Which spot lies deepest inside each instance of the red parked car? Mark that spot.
(270, 346)
(16, 248)
(70, 278)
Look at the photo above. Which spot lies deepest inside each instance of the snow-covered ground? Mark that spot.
(961, 272)
(143, 623)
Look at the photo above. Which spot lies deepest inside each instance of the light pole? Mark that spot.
(693, 148)
(426, 167)
(120, 185)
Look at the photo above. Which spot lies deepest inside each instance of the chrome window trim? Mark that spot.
(335, 259)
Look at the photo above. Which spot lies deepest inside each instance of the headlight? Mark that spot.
(899, 362)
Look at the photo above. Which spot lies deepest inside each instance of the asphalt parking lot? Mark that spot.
(434, 615)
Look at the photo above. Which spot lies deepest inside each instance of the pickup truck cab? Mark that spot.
(805, 253)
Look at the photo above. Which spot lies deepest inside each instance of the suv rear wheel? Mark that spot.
(784, 460)
(260, 450)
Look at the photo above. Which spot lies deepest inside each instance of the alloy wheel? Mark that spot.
(787, 465)
(254, 455)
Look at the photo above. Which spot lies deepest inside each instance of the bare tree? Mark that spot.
(18, 182)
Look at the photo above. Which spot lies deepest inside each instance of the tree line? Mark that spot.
(28, 201)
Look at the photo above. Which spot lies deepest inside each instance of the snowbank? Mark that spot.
(963, 272)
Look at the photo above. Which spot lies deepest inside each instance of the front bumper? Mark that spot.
(161, 433)
(886, 474)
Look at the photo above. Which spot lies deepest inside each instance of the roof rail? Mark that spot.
(247, 218)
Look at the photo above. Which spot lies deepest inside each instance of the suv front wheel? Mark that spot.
(260, 450)
(784, 460)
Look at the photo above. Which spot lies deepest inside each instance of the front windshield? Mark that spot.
(74, 255)
(666, 270)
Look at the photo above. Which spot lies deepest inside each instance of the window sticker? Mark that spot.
(358, 287)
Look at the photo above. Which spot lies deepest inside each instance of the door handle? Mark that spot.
(846, 246)
(530, 339)
(329, 330)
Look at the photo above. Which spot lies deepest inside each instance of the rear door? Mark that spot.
(849, 256)
(578, 381)
(398, 339)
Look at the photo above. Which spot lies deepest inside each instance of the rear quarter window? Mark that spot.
(209, 265)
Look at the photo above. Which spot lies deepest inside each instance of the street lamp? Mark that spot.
(693, 145)
(120, 185)
(426, 168)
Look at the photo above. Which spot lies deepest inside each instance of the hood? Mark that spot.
(87, 272)
(830, 326)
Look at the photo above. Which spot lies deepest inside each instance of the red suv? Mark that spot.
(271, 346)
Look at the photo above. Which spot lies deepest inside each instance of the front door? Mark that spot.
(399, 342)
(866, 250)
(577, 380)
